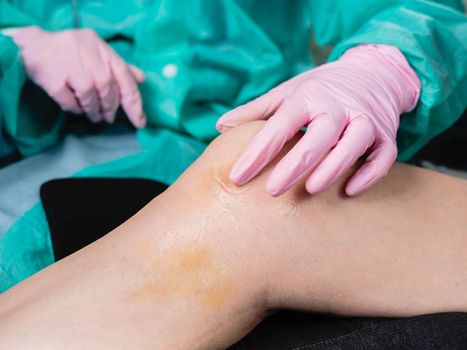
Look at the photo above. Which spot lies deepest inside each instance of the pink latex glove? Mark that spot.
(81, 72)
(348, 106)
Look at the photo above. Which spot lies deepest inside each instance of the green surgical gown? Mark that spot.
(226, 52)
(204, 57)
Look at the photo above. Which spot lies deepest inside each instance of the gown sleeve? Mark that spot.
(29, 119)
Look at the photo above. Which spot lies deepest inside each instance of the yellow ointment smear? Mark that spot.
(190, 272)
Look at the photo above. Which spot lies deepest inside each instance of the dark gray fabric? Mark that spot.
(300, 331)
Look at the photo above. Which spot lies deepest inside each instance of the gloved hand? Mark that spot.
(81, 73)
(348, 106)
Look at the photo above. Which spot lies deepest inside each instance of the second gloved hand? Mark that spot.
(348, 106)
(81, 72)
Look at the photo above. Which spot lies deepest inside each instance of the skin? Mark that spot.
(204, 262)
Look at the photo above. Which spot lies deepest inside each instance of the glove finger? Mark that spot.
(107, 91)
(97, 64)
(66, 99)
(130, 96)
(82, 81)
(264, 147)
(110, 100)
(322, 134)
(357, 138)
(88, 99)
(376, 167)
(137, 73)
(260, 108)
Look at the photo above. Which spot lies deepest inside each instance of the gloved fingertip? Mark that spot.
(238, 176)
(356, 187)
(235, 178)
(352, 192)
(273, 189)
(222, 128)
(275, 184)
(362, 181)
(138, 74)
(318, 182)
(246, 167)
(74, 110)
(314, 187)
(141, 121)
(111, 116)
(226, 118)
(219, 127)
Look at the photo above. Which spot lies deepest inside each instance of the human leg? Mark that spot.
(204, 262)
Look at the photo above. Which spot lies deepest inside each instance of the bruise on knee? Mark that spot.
(189, 271)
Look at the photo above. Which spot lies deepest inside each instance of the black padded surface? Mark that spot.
(81, 210)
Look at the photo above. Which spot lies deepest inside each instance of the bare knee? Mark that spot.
(227, 147)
